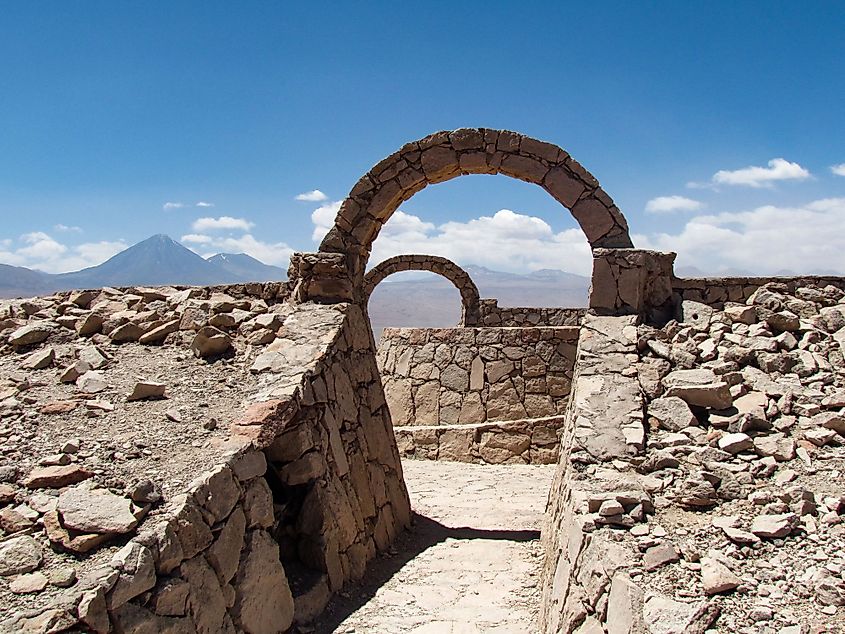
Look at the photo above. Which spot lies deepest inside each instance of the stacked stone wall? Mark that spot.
(448, 376)
(308, 488)
(715, 291)
(520, 317)
(492, 395)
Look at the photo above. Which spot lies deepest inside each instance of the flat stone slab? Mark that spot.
(19, 554)
(99, 511)
(699, 387)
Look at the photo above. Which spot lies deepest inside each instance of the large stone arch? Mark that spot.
(445, 155)
(442, 266)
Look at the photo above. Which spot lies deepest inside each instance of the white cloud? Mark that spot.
(839, 170)
(314, 196)
(507, 241)
(221, 223)
(38, 250)
(668, 204)
(168, 206)
(196, 238)
(323, 219)
(277, 253)
(778, 170)
(766, 240)
(61, 227)
(202, 203)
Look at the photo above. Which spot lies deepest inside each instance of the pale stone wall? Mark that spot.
(519, 317)
(448, 376)
(715, 291)
(309, 480)
(604, 423)
(529, 441)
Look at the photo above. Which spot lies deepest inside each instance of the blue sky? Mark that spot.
(109, 110)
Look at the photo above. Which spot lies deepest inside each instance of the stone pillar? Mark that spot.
(632, 282)
(325, 278)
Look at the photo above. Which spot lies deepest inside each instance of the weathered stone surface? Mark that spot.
(90, 510)
(62, 539)
(210, 342)
(263, 601)
(19, 555)
(660, 555)
(716, 577)
(28, 583)
(40, 359)
(157, 335)
(137, 574)
(147, 390)
(698, 387)
(772, 526)
(225, 552)
(671, 413)
(31, 333)
(92, 382)
(206, 603)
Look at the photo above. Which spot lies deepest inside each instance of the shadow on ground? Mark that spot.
(424, 533)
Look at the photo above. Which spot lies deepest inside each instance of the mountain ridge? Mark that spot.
(158, 260)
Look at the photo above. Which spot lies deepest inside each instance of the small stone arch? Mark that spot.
(445, 155)
(470, 313)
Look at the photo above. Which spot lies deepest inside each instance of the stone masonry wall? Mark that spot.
(308, 488)
(715, 291)
(528, 441)
(447, 376)
(506, 316)
(586, 587)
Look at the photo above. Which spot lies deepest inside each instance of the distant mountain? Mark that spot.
(245, 267)
(158, 260)
(19, 281)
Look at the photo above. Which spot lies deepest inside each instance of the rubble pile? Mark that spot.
(745, 458)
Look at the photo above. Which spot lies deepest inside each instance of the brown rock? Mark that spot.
(19, 554)
(58, 407)
(40, 359)
(660, 555)
(126, 333)
(89, 510)
(29, 583)
(56, 477)
(210, 342)
(79, 543)
(31, 334)
(159, 334)
(698, 387)
(92, 382)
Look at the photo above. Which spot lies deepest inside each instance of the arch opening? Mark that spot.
(444, 267)
(446, 155)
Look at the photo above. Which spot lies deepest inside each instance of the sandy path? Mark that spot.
(470, 564)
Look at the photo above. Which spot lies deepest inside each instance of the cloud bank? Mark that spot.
(778, 170)
(669, 204)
